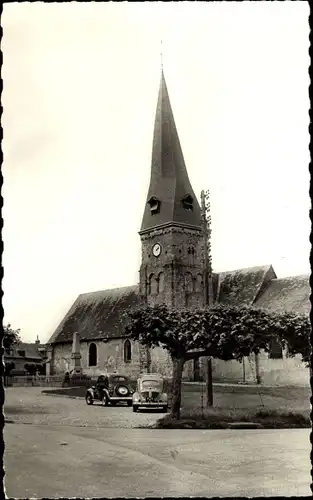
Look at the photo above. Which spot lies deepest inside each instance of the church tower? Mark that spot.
(171, 269)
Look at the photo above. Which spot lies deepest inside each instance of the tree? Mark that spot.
(223, 332)
(296, 335)
(10, 337)
(31, 368)
(8, 367)
(41, 369)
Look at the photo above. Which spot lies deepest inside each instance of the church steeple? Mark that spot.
(171, 199)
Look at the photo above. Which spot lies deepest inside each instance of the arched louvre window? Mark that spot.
(187, 202)
(191, 255)
(188, 282)
(153, 285)
(92, 355)
(161, 282)
(199, 283)
(154, 205)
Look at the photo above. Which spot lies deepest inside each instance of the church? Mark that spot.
(90, 337)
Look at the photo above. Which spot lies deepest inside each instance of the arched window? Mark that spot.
(92, 355)
(161, 282)
(153, 285)
(191, 255)
(127, 351)
(188, 282)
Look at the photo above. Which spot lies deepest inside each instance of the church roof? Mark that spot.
(169, 182)
(96, 315)
(287, 294)
(242, 286)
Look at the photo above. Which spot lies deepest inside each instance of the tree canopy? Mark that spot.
(224, 332)
(219, 331)
(10, 336)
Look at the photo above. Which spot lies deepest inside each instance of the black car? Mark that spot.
(110, 389)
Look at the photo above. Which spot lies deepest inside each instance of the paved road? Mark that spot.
(82, 462)
(28, 405)
(63, 448)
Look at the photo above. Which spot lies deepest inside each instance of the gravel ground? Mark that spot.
(27, 405)
(62, 461)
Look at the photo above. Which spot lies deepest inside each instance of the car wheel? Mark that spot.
(129, 403)
(121, 390)
(135, 408)
(89, 399)
(105, 400)
(113, 403)
(165, 408)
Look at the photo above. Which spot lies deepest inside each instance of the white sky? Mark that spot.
(80, 91)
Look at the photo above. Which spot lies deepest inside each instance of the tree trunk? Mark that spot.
(178, 365)
(209, 383)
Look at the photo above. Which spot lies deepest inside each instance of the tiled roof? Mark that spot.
(242, 286)
(287, 294)
(169, 181)
(96, 315)
(31, 351)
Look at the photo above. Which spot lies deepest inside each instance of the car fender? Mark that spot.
(106, 392)
(91, 392)
(136, 396)
(164, 397)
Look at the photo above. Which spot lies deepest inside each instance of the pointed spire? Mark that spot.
(171, 198)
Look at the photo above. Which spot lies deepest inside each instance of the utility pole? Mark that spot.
(257, 369)
(207, 281)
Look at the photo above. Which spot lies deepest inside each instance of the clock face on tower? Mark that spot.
(156, 250)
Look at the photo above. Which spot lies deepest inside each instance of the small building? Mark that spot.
(25, 353)
(171, 272)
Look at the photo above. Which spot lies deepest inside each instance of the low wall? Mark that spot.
(281, 372)
(41, 381)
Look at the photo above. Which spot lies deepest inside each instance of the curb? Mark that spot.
(188, 428)
(62, 396)
(245, 425)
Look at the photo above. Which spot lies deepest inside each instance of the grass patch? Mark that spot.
(236, 398)
(217, 418)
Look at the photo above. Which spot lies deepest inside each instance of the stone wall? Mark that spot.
(111, 358)
(286, 371)
(61, 358)
(175, 276)
(161, 362)
(280, 372)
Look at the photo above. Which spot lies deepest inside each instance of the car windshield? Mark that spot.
(153, 384)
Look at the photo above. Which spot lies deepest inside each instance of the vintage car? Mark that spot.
(110, 389)
(150, 393)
